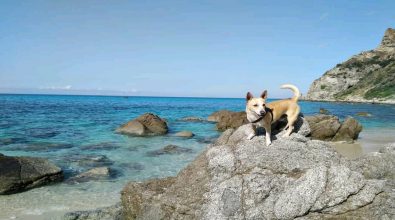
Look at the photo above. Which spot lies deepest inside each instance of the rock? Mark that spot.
(184, 134)
(329, 128)
(227, 119)
(146, 124)
(364, 114)
(41, 146)
(323, 127)
(169, 149)
(236, 178)
(365, 77)
(192, 119)
(90, 175)
(101, 146)
(324, 111)
(108, 213)
(348, 131)
(19, 174)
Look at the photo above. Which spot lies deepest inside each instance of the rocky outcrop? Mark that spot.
(192, 119)
(18, 174)
(329, 128)
(236, 178)
(227, 119)
(146, 124)
(366, 77)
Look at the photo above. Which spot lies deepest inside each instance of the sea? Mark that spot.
(77, 134)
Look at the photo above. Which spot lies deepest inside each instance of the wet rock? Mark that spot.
(42, 133)
(216, 116)
(98, 173)
(12, 140)
(42, 146)
(236, 178)
(108, 213)
(364, 114)
(186, 134)
(146, 124)
(324, 111)
(101, 146)
(18, 174)
(169, 149)
(192, 119)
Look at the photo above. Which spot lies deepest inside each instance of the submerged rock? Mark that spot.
(146, 124)
(236, 178)
(364, 114)
(41, 146)
(108, 213)
(101, 146)
(18, 174)
(186, 134)
(324, 111)
(97, 173)
(169, 149)
(192, 119)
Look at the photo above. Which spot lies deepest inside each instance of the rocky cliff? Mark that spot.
(366, 77)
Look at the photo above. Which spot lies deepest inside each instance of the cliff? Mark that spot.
(366, 77)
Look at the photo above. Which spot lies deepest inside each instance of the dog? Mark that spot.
(260, 114)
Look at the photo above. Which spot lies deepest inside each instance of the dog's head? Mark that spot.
(257, 105)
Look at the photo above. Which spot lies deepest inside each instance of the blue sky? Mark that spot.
(181, 48)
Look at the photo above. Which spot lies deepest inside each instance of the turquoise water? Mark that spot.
(74, 131)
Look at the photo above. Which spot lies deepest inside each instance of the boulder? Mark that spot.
(169, 149)
(323, 127)
(90, 175)
(329, 128)
(227, 119)
(186, 134)
(348, 131)
(146, 124)
(236, 178)
(19, 174)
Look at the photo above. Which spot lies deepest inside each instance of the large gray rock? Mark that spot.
(18, 174)
(97, 173)
(146, 124)
(236, 178)
(348, 131)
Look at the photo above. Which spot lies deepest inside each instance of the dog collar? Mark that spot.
(268, 110)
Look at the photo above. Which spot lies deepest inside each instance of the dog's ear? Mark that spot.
(249, 96)
(264, 94)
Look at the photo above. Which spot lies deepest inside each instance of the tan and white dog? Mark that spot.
(260, 114)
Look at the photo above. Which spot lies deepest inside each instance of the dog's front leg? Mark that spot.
(268, 135)
(251, 132)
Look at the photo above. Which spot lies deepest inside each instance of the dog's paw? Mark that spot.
(251, 136)
(268, 143)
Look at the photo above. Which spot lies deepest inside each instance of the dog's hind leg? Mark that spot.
(268, 130)
(291, 122)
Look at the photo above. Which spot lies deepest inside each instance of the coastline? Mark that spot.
(387, 102)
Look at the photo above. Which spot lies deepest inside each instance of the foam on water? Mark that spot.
(77, 133)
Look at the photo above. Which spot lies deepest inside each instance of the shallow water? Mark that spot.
(73, 131)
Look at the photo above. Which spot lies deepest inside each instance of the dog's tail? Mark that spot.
(294, 89)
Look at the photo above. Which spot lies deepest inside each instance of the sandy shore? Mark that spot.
(370, 140)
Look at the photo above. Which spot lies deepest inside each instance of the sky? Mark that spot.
(181, 48)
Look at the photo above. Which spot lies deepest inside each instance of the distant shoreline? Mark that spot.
(389, 102)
